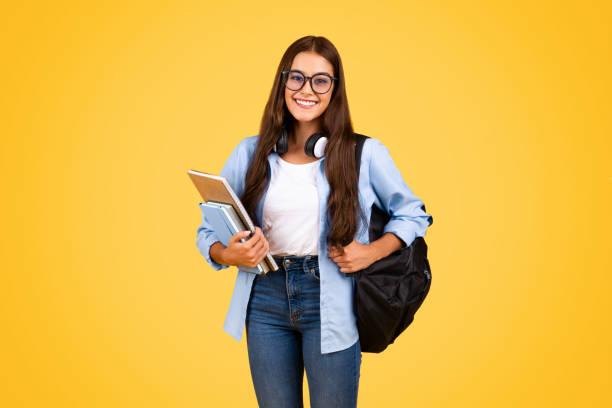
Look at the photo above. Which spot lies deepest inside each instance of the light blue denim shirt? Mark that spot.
(380, 184)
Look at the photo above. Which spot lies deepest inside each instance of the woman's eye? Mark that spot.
(296, 78)
(321, 81)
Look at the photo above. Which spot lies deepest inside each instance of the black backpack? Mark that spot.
(389, 292)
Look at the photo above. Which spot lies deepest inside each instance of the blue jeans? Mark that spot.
(283, 329)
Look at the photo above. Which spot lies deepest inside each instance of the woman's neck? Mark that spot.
(302, 131)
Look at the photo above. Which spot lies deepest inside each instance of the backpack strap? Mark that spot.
(359, 141)
(378, 217)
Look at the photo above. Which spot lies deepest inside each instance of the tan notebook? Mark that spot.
(218, 189)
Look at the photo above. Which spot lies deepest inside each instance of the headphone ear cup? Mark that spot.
(315, 145)
(282, 144)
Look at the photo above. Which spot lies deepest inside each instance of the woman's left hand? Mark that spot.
(357, 256)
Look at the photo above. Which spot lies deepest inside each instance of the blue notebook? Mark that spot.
(226, 223)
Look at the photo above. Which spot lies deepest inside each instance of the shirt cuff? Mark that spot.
(204, 242)
(407, 235)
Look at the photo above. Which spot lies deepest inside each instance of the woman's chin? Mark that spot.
(305, 118)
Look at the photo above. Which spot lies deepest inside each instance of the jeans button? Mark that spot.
(287, 263)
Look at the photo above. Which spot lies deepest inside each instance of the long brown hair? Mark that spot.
(342, 203)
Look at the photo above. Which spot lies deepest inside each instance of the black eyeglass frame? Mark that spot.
(307, 78)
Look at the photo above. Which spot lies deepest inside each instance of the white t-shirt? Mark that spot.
(291, 209)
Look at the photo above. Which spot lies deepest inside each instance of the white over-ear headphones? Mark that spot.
(314, 147)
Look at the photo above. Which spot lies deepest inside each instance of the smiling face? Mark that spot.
(300, 103)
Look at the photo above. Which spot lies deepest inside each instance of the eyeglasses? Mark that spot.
(320, 83)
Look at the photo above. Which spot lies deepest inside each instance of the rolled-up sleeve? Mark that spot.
(409, 218)
(233, 171)
(206, 236)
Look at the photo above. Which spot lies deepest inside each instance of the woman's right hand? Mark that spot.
(248, 253)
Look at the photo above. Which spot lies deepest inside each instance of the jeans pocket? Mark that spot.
(311, 268)
(314, 272)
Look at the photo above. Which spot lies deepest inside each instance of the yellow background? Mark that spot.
(497, 114)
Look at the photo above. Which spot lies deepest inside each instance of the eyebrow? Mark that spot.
(299, 70)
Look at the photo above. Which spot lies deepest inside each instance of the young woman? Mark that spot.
(297, 179)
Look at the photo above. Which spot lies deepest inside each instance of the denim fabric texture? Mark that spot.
(283, 330)
(380, 184)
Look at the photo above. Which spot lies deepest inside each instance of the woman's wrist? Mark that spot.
(376, 251)
(384, 246)
(218, 253)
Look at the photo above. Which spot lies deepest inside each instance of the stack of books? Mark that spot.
(226, 214)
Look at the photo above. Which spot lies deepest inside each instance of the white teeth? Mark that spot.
(305, 103)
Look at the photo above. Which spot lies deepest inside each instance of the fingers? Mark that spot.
(348, 267)
(256, 248)
(343, 260)
(249, 243)
(255, 239)
(334, 252)
(264, 250)
(238, 236)
(336, 256)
